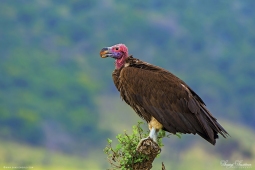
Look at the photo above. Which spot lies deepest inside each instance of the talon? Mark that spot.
(141, 141)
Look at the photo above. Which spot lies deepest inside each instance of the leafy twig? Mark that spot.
(125, 156)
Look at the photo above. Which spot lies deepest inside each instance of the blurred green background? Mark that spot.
(58, 104)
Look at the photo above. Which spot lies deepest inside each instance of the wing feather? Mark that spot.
(158, 93)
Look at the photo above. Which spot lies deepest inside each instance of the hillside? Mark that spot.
(57, 93)
(199, 155)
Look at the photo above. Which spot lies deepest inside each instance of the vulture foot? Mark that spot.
(141, 141)
(153, 135)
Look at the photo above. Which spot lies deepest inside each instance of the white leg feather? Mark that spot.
(153, 134)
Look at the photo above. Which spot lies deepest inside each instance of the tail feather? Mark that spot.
(211, 126)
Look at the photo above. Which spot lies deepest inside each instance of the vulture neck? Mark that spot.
(120, 62)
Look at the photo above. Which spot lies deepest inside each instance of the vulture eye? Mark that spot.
(117, 48)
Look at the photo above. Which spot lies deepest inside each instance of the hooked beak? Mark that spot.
(106, 52)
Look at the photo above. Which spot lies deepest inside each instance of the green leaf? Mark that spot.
(109, 141)
(178, 135)
(118, 146)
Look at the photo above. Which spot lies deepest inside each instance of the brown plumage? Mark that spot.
(161, 98)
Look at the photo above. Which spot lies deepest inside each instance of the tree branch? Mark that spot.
(149, 148)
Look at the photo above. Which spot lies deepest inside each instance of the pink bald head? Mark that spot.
(119, 52)
(120, 47)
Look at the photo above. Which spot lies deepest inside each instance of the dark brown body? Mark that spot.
(156, 93)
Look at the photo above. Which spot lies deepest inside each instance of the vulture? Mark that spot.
(163, 100)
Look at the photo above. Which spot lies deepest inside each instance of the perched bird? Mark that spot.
(162, 99)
